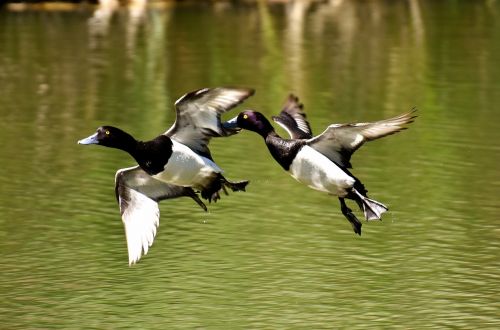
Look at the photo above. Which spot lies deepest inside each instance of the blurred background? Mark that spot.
(279, 256)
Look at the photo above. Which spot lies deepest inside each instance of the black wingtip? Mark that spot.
(292, 101)
(413, 112)
(292, 97)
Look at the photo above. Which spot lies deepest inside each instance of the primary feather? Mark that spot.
(293, 119)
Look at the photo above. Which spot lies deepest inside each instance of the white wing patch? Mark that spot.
(141, 217)
(357, 140)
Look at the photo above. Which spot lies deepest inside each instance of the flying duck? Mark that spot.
(322, 162)
(174, 164)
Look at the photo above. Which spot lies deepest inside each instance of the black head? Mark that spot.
(110, 136)
(254, 121)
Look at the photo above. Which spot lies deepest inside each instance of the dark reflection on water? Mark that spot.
(279, 255)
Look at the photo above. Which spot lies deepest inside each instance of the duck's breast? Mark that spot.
(187, 168)
(318, 172)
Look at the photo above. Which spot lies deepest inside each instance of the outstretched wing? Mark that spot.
(293, 119)
(199, 116)
(138, 195)
(339, 141)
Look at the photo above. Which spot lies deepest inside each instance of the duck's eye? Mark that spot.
(107, 132)
(245, 116)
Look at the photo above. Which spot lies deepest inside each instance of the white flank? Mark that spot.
(318, 172)
(187, 168)
(141, 218)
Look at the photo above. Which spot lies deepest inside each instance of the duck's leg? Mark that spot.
(194, 196)
(347, 212)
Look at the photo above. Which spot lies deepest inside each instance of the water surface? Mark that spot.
(280, 256)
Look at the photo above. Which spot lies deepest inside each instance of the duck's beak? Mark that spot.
(231, 126)
(90, 140)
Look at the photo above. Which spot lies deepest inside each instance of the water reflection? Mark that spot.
(136, 12)
(100, 20)
(276, 256)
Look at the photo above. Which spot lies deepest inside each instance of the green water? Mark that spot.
(280, 256)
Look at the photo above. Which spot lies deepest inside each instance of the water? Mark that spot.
(280, 256)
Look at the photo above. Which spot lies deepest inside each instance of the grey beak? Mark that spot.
(231, 126)
(90, 140)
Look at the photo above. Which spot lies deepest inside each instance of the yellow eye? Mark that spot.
(245, 116)
(107, 132)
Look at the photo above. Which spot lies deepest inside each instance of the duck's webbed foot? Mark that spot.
(347, 212)
(235, 186)
(212, 193)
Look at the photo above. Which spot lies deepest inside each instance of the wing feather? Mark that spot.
(138, 195)
(339, 141)
(199, 116)
(293, 119)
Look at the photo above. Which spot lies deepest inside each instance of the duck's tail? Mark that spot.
(373, 210)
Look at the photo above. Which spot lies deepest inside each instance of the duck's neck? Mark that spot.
(283, 150)
(152, 156)
(266, 131)
(125, 142)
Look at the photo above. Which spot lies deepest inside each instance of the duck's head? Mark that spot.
(110, 136)
(252, 121)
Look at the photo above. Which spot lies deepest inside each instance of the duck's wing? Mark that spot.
(199, 116)
(339, 141)
(293, 119)
(138, 195)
